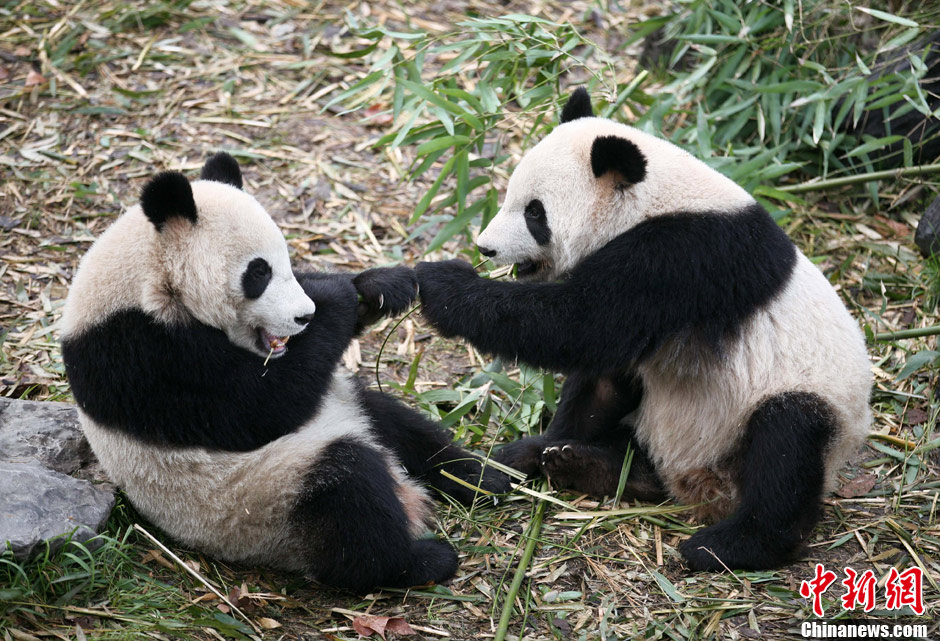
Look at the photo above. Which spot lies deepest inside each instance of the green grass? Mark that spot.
(105, 588)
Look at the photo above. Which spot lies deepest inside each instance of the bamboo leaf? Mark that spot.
(441, 143)
(888, 17)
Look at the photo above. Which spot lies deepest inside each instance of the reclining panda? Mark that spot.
(689, 326)
(205, 371)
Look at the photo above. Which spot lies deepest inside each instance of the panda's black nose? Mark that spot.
(303, 320)
(486, 251)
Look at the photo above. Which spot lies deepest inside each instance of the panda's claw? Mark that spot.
(556, 453)
(384, 291)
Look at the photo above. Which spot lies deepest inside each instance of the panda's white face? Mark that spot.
(589, 181)
(204, 250)
(232, 270)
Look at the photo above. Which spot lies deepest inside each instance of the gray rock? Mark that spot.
(38, 504)
(927, 235)
(45, 432)
(41, 445)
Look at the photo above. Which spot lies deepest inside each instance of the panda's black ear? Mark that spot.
(578, 106)
(166, 195)
(619, 155)
(222, 168)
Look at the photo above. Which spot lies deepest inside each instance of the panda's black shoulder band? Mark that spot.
(188, 385)
(694, 276)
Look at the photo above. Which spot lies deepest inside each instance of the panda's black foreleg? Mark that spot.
(590, 407)
(426, 450)
(376, 293)
(357, 528)
(781, 482)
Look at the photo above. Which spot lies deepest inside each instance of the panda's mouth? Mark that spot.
(531, 269)
(274, 345)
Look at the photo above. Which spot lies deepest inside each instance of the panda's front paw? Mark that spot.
(385, 291)
(442, 287)
(475, 473)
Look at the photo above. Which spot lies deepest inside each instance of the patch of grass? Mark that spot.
(108, 588)
(774, 90)
(452, 95)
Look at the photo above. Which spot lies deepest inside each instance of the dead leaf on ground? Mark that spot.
(377, 115)
(367, 625)
(268, 624)
(34, 78)
(858, 486)
(897, 227)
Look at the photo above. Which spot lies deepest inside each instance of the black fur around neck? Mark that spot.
(699, 275)
(190, 386)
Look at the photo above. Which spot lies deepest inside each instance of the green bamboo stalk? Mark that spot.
(533, 534)
(917, 332)
(860, 178)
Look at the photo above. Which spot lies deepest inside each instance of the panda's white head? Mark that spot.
(589, 181)
(204, 250)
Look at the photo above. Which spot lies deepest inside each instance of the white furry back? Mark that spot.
(693, 416)
(237, 505)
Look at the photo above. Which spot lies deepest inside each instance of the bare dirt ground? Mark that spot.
(95, 97)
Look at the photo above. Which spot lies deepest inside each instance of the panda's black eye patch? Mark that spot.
(256, 278)
(535, 209)
(536, 222)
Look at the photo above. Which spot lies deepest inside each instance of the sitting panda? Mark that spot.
(205, 372)
(689, 327)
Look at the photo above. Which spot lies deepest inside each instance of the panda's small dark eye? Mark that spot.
(256, 277)
(535, 210)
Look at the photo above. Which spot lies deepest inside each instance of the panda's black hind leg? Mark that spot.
(781, 481)
(425, 449)
(591, 407)
(357, 529)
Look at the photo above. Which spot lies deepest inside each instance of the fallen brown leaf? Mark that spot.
(367, 625)
(898, 228)
(857, 487)
(377, 115)
(34, 78)
(268, 624)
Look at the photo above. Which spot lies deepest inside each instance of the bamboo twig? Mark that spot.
(819, 185)
(195, 574)
(534, 529)
(916, 332)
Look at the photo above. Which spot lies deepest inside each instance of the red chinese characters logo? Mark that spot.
(817, 587)
(905, 588)
(902, 589)
(859, 590)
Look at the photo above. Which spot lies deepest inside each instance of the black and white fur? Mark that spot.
(688, 325)
(205, 371)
